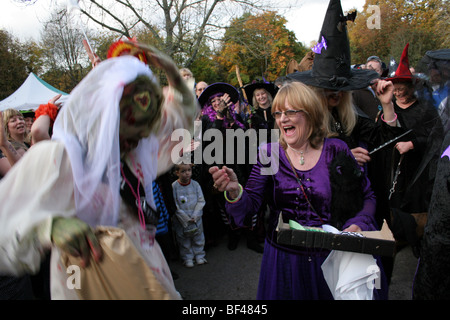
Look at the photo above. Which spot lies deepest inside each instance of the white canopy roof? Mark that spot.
(33, 92)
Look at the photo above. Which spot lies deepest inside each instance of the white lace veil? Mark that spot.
(88, 125)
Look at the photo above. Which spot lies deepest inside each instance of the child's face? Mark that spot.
(184, 173)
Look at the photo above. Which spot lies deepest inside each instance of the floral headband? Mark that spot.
(120, 48)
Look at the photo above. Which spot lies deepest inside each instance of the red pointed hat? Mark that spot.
(402, 73)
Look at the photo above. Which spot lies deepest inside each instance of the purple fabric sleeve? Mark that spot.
(282, 193)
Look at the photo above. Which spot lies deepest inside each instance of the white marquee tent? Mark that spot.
(33, 92)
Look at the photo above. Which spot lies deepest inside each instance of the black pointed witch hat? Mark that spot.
(251, 87)
(332, 69)
(218, 87)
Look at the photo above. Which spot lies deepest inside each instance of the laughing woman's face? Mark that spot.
(293, 124)
(403, 93)
(261, 97)
(16, 126)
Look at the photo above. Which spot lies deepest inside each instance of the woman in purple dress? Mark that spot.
(297, 186)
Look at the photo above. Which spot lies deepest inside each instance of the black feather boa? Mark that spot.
(347, 195)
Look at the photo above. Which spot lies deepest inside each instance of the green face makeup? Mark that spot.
(140, 107)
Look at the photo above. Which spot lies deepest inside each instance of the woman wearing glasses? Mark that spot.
(300, 189)
(333, 79)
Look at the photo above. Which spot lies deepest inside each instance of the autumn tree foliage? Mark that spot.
(260, 45)
(422, 24)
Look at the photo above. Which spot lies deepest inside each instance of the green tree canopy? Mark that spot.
(12, 65)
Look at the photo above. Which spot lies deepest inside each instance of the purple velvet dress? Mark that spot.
(294, 272)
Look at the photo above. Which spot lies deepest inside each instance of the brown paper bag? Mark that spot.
(122, 274)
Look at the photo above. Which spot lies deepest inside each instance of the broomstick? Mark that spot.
(238, 75)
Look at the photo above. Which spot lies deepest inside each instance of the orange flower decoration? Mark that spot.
(120, 48)
(48, 109)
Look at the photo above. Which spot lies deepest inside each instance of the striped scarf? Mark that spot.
(163, 223)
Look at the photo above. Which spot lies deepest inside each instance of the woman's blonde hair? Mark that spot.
(7, 115)
(255, 102)
(301, 97)
(186, 72)
(346, 110)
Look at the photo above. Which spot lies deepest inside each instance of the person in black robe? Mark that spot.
(410, 164)
(431, 281)
(220, 104)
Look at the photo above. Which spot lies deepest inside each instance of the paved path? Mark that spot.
(405, 265)
(228, 275)
(233, 275)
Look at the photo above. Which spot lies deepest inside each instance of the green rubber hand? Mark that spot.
(76, 238)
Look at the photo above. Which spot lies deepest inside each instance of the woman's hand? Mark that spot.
(361, 155)
(404, 147)
(76, 238)
(55, 99)
(226, 99)
(225, 180)
(223, 106)
(385, 91)
(161, 61)
(95, 60)
(353, 228)
(164, 62)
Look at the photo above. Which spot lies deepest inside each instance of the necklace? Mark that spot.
(302, 152)
(136, 193)
(337, 123)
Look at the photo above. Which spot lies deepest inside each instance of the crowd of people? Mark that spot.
(353, 147)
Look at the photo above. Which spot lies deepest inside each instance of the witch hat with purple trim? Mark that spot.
(332, 69)
(216, 88)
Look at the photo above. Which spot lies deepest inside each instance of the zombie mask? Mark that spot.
(140, 107)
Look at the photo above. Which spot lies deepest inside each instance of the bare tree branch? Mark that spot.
(141, 19)
(185, 24)
(125, 31)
